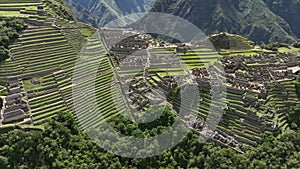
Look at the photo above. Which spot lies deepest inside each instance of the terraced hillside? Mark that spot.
(283, 101)
(40, 50)
(252, 104)
(32, 11)
(40, 54)
(239, 123)
(94, 71)
(41, 62)
(56, 70)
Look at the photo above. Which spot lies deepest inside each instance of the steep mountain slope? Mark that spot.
(101, 12)
(288, 10)
(249, 18)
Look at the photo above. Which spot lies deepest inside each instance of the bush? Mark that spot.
(1, 103)
(58, 7)
(296, 45)
(4, 54)
(274, 46)
(298, 86)
(9, 28)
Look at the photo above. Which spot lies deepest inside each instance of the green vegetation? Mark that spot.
(296, 45)
(285, 102)
(44, 58)
(63, 145)
(88, 32)
(274, 46)
(58, 8)
(239, 52)
(1, 103)
(75, 38)
(240, 17)
(99, 14)
(21, 9)
(230, 41)
(144, 130)
(39, 49)
(298, 85)
(9, 32)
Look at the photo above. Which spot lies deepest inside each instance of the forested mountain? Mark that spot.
(288, 10)
(267, 21)
(101, 12)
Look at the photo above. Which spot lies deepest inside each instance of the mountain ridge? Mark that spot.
(102, 12)
(252, 19)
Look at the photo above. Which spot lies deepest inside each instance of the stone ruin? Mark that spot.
(35, 81)
(14, 104)
(200, 72)
(138, 90)
(40, 10)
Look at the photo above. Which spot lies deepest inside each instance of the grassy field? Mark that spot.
(22, 10)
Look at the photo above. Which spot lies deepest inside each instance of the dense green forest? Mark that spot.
(59, 9)
(9, 28)
(298, 85)
(63, 145)
(1, 102)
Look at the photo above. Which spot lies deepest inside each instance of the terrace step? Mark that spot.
(36, 37)
(41, 41)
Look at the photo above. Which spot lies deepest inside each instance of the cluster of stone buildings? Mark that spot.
(255, 73)
(14, 104)
(138, 90)
(247, 82)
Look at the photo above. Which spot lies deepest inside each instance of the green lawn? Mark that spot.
(87, 32)
(10, 13)
(289, 50)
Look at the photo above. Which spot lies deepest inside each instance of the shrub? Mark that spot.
(298, 86)
(58, 7)
(274, 46)
(1, 103)
(9, 28)
(4, 54)
(296, 45)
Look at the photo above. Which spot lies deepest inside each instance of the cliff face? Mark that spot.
(101, 12)
(288, 10)
(255, 19)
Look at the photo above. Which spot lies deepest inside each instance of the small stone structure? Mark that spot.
(13, 115)
(40, 10)
(14, 104)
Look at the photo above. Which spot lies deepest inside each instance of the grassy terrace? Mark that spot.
(90, 59)
(235, 121)
(248, 131)
(75, 38)
(45, 100)
(192, 59)
(47, 54)
(47, 49)
(199, 58)
(93, 66)
(105, 101)
(19, 8)
(280, 97)
(41, 49)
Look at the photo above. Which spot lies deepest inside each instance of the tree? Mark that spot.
(1, 103)
(9, 28)
(296, 45)
(297, 85)
(4, 53)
